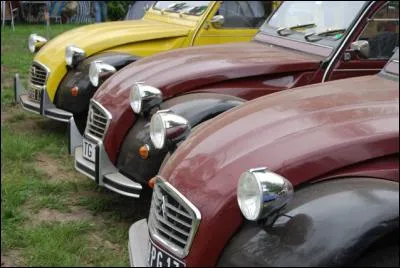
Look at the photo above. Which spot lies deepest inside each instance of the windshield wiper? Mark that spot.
(289, 30)
(318, 36)
(175, 7)
(194, 10)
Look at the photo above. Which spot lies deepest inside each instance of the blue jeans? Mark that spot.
(100, 8)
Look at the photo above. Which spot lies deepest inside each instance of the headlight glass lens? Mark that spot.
(249, 195)
(94, 74)
(69, 54)
(136, 99)
(157, 131)
(31, 43)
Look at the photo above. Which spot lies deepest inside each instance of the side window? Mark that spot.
(244, 14)
(382, 31)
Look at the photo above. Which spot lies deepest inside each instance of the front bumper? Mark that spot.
(45, 107)
(138, 243)
(104, 173)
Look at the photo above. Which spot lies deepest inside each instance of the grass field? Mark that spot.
(50, 214)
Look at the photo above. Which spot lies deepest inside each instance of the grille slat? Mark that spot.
(179, 220)
(97, 121)
(170, 234)
(170, 225)
(93, 131)
(173, 220)
(38, 75)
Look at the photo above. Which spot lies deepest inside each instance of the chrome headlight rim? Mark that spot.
(144, 97)
(35, 42)
(270, 192)
(73, 55)
(96, 69)
(168, 126)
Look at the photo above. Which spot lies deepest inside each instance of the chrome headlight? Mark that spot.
(35, 42)
(144, 97)
(98, 69)
(166, 125)
(73, 55)
(261, 192)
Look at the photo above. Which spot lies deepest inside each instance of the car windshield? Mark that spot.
(195, 8)
(326, 18)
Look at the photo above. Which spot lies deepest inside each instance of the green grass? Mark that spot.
(30, 184)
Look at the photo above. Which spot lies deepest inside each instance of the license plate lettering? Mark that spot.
(89, 150)
(158, 258)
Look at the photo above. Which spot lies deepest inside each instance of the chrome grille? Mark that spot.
(37, 75)
(97, 121)
(173, 220)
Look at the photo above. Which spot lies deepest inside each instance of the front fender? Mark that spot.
(79, 77)
(329, 223)
(196, 108)
(199, 107)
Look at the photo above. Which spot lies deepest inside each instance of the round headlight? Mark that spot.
(73, 55)
(136, 99)
(249, 196)
(144, 97)
(99, 69)
(157, 131)
(260, 192)
(94, 74)
(166, 125)
(35, 41)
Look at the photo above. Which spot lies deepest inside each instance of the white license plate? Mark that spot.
(89, 150)
(159, 258)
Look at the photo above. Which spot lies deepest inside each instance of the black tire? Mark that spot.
(80, 121)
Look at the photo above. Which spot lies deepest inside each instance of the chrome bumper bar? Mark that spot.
(138, 243)
(47, 109)
(104, 173)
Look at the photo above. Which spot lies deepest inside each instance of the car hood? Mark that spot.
(98, 37)
(178, 71)
(300, 133)
(185, 69)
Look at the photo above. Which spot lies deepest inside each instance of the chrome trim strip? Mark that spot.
(28, 105)
(109, 118)
(196, 218)
(354, 70)
(121, 192)
(337, 53)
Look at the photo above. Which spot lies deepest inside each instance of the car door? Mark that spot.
(233, 21)
(371, 49)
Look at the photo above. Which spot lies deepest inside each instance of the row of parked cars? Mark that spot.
(278, 148)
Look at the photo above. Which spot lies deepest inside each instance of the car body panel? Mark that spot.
(300, 134)
(177, 72)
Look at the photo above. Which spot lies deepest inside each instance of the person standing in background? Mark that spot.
(100, 10)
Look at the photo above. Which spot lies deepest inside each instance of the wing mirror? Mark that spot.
(361, 47)
(217, 21)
